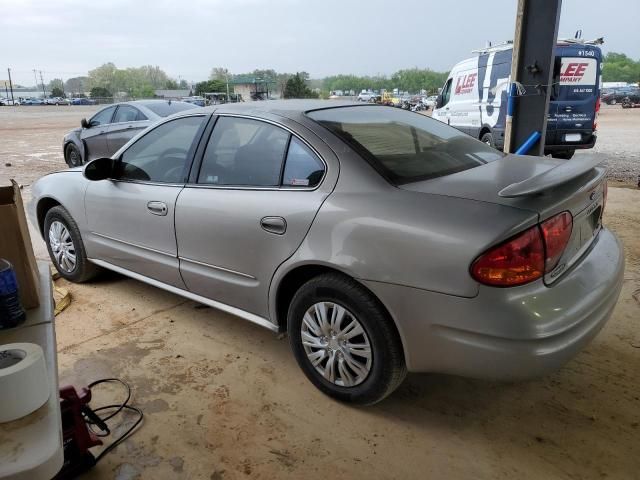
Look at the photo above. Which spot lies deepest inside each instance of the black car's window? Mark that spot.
(102, 117)
(302, 168)
(164, 109)
(405, 146)
(243, 151)
(127, 113)
(161, 154)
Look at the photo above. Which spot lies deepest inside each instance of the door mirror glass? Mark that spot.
(84, 123)
(99, 169)
(439, 101)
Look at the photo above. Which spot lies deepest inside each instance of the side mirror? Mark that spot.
(99, 169)
(84, 123)
(439, 101)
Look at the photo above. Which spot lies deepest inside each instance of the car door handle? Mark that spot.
(129, 126)
(277, 225)
(157, 208)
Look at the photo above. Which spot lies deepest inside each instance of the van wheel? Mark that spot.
(564, 155)
(488, 139)
(344, 341)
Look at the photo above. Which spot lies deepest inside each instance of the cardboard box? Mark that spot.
(15, 244)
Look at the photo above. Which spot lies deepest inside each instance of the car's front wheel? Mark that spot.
(344, 341)
(65, 246)
(72, 156)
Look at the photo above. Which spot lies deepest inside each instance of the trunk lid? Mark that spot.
(543, 185)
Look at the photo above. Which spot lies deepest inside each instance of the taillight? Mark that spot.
(525, 257)
(556, 233)
(515, 262)
(595, 117)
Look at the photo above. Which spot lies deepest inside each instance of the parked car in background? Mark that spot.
(4, 102)
(430, 101)
(632, 99)
(381, 240)
(57, 101)
(32, 101)
(199, 101)
(617, 95)
(82, 101)
(113, 126)
(367, 96)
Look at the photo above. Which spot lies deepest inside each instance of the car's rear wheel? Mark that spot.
(613, 101)
(65, 246)
(344, 341)
(72, 156)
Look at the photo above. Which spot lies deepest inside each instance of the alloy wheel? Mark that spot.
(61, 243)
(336, 344)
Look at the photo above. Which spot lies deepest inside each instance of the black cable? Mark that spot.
(92, 418)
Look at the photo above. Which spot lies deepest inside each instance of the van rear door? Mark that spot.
(574, 95)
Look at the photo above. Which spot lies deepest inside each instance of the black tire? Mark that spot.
(84, 270)
(387, 370)
(487, 138)
(72, 156)
(567, 155)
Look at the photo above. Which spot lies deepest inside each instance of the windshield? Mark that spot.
(164, 109)
(404, 146)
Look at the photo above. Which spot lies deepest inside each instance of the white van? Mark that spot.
(474, 97)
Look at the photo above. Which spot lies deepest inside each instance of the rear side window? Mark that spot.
(244, 152)
(303, 168)
(403, 146)
(127, 113)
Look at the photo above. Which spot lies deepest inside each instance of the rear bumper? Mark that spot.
(572, 146)
(513, 333)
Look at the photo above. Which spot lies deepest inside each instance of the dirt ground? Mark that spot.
(224, 399)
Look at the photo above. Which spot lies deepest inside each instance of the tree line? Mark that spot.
(617, 67)
(107, 80)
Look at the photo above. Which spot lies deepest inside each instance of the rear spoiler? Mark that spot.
(564, 172)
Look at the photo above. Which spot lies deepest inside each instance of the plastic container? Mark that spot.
(11, 312)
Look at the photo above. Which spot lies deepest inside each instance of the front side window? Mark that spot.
(244, 152)
(446, 92)
(405, 146)
(161, 154)
(103, 117)
(302, 168)
(127, 113)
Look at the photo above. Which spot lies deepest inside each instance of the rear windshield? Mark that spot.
(164, 109)
(403, 146)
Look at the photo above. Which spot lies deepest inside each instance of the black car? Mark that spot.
(617, 95)
(113, 126)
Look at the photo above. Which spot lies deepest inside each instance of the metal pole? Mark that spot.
(35, 77)
(11, 86)
(532, 65)
(44, 94)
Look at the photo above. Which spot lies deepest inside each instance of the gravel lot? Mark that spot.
(224, 399)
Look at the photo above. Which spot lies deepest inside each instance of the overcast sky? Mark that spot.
(66, 38)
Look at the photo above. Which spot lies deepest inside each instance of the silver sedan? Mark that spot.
(381, 240)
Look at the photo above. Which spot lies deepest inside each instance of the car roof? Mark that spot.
(286, 108)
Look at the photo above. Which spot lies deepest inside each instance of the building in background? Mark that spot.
(253, 88)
